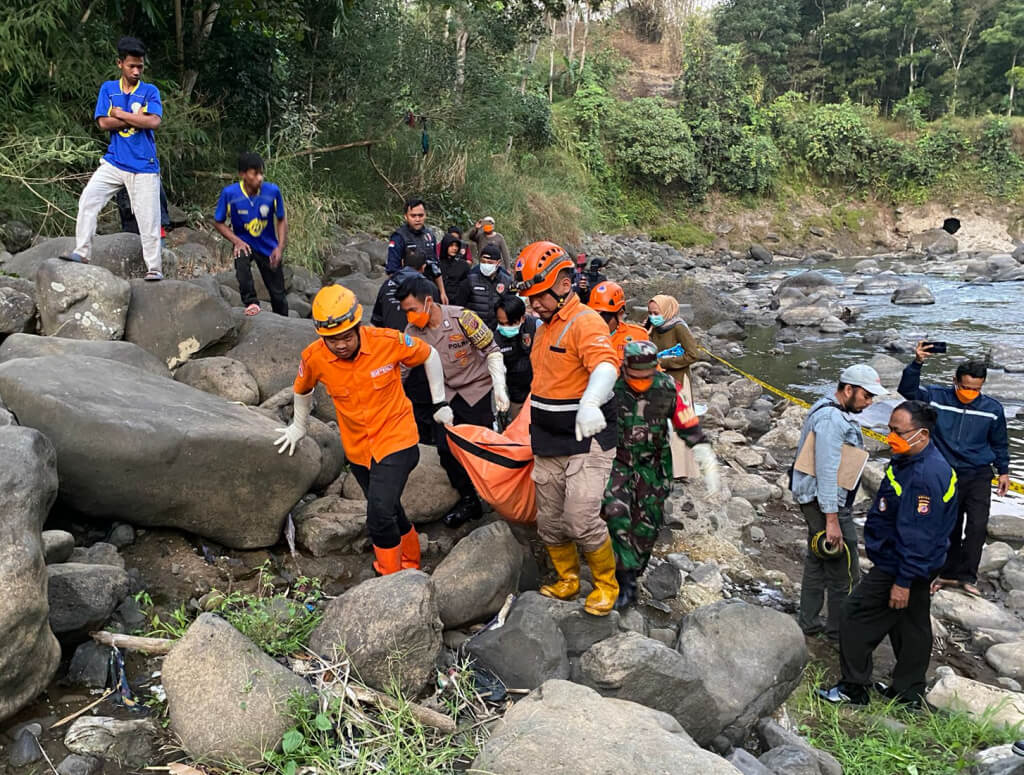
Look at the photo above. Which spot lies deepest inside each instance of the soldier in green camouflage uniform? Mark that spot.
(641, 477)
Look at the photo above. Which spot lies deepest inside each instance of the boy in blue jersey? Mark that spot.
(258, 232)
(130, 110)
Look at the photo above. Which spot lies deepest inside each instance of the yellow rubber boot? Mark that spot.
(411, 550)
(606, 588)
(567, 565)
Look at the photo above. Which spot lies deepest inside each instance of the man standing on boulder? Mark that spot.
(130, 110)
(360, 367)
(473, 367)
(573, 425)
(905, 535)
(971, 433)
(826, 505)
(414, 238)
(258, 232)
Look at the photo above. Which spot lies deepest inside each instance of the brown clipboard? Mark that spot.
(851, 462)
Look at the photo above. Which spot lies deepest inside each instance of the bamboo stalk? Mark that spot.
(152, 646)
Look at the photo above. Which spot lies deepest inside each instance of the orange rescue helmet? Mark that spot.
(336, 310)
(607, 297)
(538, 266)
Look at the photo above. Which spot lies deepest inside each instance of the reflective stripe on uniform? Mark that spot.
(892, 480)
(951, 490)
(568, 325)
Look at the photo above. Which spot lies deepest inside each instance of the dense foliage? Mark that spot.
(516, 107)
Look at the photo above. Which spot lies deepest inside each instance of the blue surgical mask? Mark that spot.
(488, 269)
(509, 331)
(656, 320)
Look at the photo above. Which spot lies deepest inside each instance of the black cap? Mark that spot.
(491, 251)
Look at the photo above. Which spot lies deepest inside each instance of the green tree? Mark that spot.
(1006, 38)
(767, 29)
(652, 141)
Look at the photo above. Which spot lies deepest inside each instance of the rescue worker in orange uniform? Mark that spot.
(573, 427)
(360, 367)
(609, 301)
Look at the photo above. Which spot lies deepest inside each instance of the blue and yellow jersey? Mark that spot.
(252, 214)
(130, 149)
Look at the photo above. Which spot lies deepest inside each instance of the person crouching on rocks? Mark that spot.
(906, 536)
(649, 401)
(360, 367)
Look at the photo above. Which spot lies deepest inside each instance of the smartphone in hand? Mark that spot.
(934, 347)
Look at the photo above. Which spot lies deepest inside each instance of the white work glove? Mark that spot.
(496, 366)
(435, 378)
(589, 417)
(295, 432)
(708, 464)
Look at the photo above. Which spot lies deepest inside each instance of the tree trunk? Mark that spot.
(530, 57)
(461, 41)
(1013, 83)
(551, 64)
(179, 39)
(912, 61)
(586, 34)
(570, 30)
(202, 25)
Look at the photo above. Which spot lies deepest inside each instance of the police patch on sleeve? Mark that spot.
(924, 504)
(881, 504)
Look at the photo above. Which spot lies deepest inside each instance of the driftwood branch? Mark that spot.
(369, 155)
(425, 716)
(330, 148)
(151, 646)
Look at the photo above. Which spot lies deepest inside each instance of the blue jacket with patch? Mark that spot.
(907, 530)
(971, 436)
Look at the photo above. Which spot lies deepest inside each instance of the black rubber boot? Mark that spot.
(466, 509)
(627, 588)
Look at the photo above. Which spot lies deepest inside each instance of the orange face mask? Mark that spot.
(419, 319)
(640, 385)
(965, 396)
(488, 228)
(898, 444)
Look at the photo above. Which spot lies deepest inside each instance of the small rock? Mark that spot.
(129, 743)
(746, 763)
(57, 545)
(757, 534)
(790, 760)
(24, 750)
(681, 561)
(632, 621)
(89, 665)
(1008, 683)
(76, 764)
(121, 535)
(100, 553)
(956, 693)
(663, 581)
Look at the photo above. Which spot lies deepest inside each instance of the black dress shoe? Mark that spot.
(627, 588)
(466, 509)
(912, 705)
(844, 694)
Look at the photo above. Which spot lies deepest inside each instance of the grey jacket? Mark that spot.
(832, 428)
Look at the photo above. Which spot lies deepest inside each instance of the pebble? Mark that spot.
(76, 764)
(682, 561)
(24, 750)
(757, 534)
(121, 535)
(1008, 683)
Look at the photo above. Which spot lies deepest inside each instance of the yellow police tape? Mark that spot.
(1016, 487)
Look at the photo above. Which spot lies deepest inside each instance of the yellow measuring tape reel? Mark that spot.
(821, 548)
(1016, 487)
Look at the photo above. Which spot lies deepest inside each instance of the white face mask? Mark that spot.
(488, 269)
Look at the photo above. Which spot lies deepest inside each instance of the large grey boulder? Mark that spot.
(1007, 659)
(580, 629)
(129, 742)
(972, 612)
(978, 700)
(28, 488)
(154, 452)
(224, 377)
(175, 320)
(562, 728)
(81, 301)
(741, 678)
(428, 494)
(271, 346)
(527, 650)
(389, 628)
(83, 596)
(882, 284)
(937, 242)
(811, 280)
(227, 700)
(17, 311)
(912, 294)
(118, 253)
(1006, 357)
(1006, 527)
(29, 346)
(473, 581)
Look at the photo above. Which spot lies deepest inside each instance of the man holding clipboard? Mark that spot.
(830, 459)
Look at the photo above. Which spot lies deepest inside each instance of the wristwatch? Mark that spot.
(439, 405)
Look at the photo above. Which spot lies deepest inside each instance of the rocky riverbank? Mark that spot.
(136, 435)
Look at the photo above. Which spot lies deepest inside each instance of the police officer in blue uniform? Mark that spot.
(258, 232)
(906, 536)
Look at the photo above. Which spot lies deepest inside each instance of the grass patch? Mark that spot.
(278, 622)
(867, 742)
(682, 234)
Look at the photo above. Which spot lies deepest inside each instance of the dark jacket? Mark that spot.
(386, 313)
(907, 530)
(454, 271)
(971, 436)
(480, 293)
(422, 239)
(516, 352)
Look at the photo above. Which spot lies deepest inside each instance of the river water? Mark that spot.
(967, 316)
